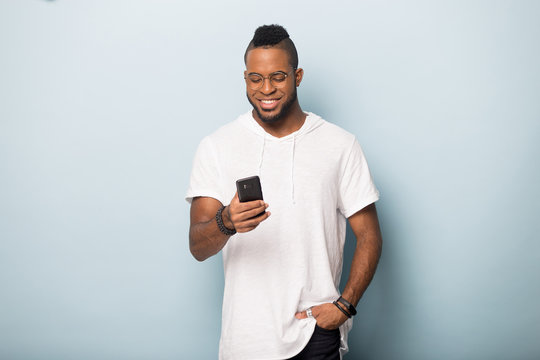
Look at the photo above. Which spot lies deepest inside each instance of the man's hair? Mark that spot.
(273, 36)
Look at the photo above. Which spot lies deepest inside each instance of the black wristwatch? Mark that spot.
(350, 308)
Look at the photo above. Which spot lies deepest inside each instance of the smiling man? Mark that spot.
(283, 268)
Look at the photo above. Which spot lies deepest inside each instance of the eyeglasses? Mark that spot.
(255, 81)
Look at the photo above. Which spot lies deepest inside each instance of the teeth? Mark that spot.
(268, 101)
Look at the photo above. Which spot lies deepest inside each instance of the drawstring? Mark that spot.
(293, 149)
(262, 155)
(292, 169)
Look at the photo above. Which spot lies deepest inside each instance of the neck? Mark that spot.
(289, 123)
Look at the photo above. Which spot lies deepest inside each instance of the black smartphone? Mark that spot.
(249, 189)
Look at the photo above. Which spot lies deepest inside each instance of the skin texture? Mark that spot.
(284, 117)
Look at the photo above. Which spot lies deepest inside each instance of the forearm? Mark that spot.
(364, 264)
(205, 238)
(366, 256)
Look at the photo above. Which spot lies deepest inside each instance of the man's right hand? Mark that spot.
(240, 215)
(205, 238)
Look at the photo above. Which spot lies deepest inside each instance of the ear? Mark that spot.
(298, 75)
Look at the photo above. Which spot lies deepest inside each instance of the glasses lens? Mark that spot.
(277, 79)
(254, 81)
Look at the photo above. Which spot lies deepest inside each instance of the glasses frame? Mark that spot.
(269, 77)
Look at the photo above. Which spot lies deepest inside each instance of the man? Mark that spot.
(282, 268)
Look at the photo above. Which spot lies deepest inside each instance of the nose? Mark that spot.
(267, 87)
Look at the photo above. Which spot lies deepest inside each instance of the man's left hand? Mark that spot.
(328, 316)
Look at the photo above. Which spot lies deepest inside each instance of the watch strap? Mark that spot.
(350, 307)
(342, 309)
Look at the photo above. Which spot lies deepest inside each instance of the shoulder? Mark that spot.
(333, 133)
(338, 132)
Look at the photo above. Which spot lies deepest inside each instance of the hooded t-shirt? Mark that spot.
(313, 180)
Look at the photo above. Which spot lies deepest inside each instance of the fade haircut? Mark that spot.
(273, 36)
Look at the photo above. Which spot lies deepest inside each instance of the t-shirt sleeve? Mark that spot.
(356, 188)
(205, 174)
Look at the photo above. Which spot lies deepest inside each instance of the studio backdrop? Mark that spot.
(102, 106)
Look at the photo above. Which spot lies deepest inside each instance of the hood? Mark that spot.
(311, 123)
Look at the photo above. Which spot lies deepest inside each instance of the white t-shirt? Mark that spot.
(313, 180)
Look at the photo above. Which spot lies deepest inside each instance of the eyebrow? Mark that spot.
(275, 72)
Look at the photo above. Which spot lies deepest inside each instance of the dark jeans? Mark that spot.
(323, 345)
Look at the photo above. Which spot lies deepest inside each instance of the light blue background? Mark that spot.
(102, 105)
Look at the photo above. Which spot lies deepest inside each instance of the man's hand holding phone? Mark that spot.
(247, 208)
(244, 216)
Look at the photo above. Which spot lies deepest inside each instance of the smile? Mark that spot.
(269, 104)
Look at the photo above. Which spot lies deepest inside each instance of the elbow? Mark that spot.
(198, 256)
(196, 250)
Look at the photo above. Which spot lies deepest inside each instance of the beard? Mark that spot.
(269, 119)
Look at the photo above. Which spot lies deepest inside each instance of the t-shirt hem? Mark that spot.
(304, 344)
(284, 356)
(367, 200)
(204, 193)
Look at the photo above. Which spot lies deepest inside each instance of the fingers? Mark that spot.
(327, 316)
(245, 215)
(256, 205)
(251, 223)
(304, 314)
(251, 213)
(240, 207)
(301, 315)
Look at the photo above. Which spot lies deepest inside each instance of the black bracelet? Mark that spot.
(342, 309)
(349, 306)
(225, 230)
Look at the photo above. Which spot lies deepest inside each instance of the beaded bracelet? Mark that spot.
(225, 230)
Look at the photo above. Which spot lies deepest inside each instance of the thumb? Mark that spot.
(234, 198)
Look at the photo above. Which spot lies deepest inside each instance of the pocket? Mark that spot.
(327, 331)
